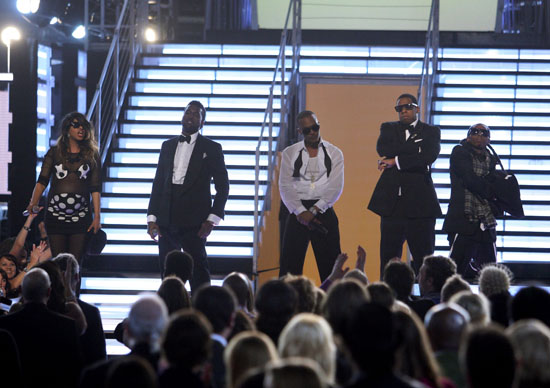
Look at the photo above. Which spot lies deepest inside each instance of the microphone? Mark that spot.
(318, 227)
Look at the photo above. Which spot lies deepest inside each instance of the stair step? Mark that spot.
(149, 143)
(494, 79)
(130, 217)
(152, 156)
(225, 116)
(214, 61)
(207, 87)
(454, 105)
(143, 186)
(192, 74)
(152, 250)
(217, 235)
(222, 102)
(116, 201)
(141, 172)
(209, 130)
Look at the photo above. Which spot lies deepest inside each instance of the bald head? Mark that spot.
(147, 319)
(36, 286)
(445, 324)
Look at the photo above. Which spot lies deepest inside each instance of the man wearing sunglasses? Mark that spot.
(404, 196)
(311, 180)
(470, 221)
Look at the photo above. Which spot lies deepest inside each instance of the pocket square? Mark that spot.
(204, 155)
(417, 140)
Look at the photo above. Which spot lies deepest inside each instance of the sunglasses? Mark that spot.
(314, 127)
(410, 106)
(482, 132)
(77, 124)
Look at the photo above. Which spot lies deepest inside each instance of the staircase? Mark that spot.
(509, 90)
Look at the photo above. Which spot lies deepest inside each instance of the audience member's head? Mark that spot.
(371, 327)
(295, 372)
(477, 306)
(531, 302)
(531, 341)
(434, 272)
(494, 279)
(358, 275)
(218, 306)
(57, 299)
(414, 356)
(242, 322)
(445, 325)
(9, 264)
(400, 277)
(342, 300)
(320, 297)
(173, 293)
(453, 285)
(246, 351)
(36, 286)
(380, 293)
(276, 303)
(146, 321)
(179, 264)
(186, 342)
(4, 283)
(310, 336)
(241, 286)
(487, 358)
(305, 289)
(131, 372)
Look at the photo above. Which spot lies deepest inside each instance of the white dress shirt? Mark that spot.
(182, 156)
(313, 183)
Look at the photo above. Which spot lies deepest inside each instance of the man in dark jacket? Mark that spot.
(404, 196)
(471, 218)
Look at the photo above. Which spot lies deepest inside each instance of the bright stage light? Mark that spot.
(9, 34)
(27, 6)
(150, 34)
(79, 32)
(55, 20)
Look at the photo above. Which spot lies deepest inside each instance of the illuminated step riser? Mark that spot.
(173, 129)
(216, 116)
(149, 173)
(240, 205)
(208, 102)
(145, 188)
(227, 145)
(152, 158)
(244, 221)
(261, 89)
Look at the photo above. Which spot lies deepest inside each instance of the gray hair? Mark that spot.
(35, 286)
(147, 319)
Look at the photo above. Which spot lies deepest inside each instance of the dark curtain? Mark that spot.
(231, 15)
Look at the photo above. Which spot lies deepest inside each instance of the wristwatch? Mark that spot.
(313, 210)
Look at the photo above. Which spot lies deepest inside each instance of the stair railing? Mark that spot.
(430, 63)
(288, 91)
(113, 83)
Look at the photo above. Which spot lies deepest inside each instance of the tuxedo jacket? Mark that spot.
(415, 156)
(206, 163)
(463, 177)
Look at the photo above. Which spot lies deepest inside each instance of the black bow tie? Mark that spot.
(409, 128)
(185, 138)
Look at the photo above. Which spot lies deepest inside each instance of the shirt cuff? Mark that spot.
(300, 209)
(151, 218)
(322, 205)
(397, 162)
(213, 219)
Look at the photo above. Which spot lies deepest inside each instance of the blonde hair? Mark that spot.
(246, 351)
(310, 336)
(531, 341)
(477, 305)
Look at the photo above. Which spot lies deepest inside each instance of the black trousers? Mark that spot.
(471, 252)
(296, 239)
(186, 238)
(395, 229)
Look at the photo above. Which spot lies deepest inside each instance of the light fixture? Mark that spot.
(55, 20)
(8, 34)
(79, 32)
(150, 34)
(27, 6)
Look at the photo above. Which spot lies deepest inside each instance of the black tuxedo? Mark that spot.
(92, 341)
(181, 209)
(48, 346)
(405, 197)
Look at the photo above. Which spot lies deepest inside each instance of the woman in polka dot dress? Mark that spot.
(73, 166)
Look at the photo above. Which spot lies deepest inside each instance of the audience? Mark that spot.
(400, 277)
(246, 351)
(93, 339)
(531, 341)
(242, 322)
(452, 286)
(445, 325)
(305, 289)
(433, 274)
(178, 264)
(131, 372)
(276, 303)
(295, 372)
(531, 302)
(218, 305)
(380, 293)
(487, 357)
(310, 336)
(477, 306)
(47, 342)
(242, 288)
(494, 283)
(172, 291)
(186, 347)
(142, 331)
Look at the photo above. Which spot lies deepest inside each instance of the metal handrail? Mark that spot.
(294, 9)
(113, 83)
(429, 68)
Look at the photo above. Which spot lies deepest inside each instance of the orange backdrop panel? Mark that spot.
(350, 117)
